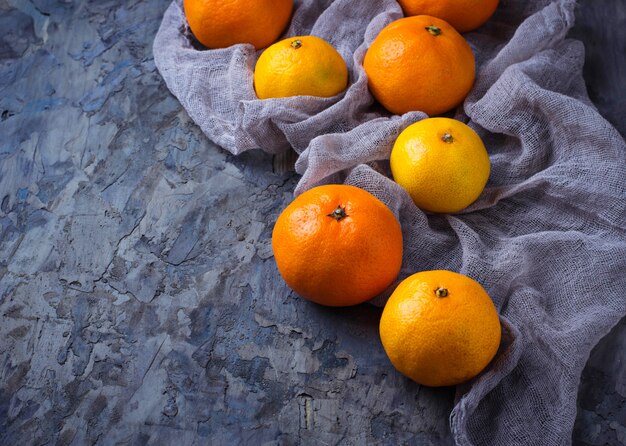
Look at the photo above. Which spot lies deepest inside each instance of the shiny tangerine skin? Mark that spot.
(463, 15)
(442, 163)
(222, 23)
(440, 328)
(419, 63)
(300, 66)
(337, 245)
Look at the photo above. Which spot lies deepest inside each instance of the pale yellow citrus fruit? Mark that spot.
(442, 163)
(300, 66)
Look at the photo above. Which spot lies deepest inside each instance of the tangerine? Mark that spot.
(440, 328)
(442, 163)
(419, 63)
(300, 66)
(464, 15)
(220, 24)
(337, 245)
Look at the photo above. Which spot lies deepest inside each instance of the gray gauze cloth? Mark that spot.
(547, 237)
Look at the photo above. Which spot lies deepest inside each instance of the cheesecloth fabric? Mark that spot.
(547, 238)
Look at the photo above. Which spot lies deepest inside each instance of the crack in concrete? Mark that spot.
(145, 373)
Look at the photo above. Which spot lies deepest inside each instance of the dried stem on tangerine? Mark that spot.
(447, 138)
(434, 30)
(338, 214)
(441, 292)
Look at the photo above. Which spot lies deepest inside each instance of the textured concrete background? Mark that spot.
(137, 296)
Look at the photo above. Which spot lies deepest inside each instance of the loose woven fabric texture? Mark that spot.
(547, 237)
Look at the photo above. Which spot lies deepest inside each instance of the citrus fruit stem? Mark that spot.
(441, 292)
(434, 30)
(447, 138)
(338, 213)
(296, 44)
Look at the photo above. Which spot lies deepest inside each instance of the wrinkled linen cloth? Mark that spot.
(547, 238)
